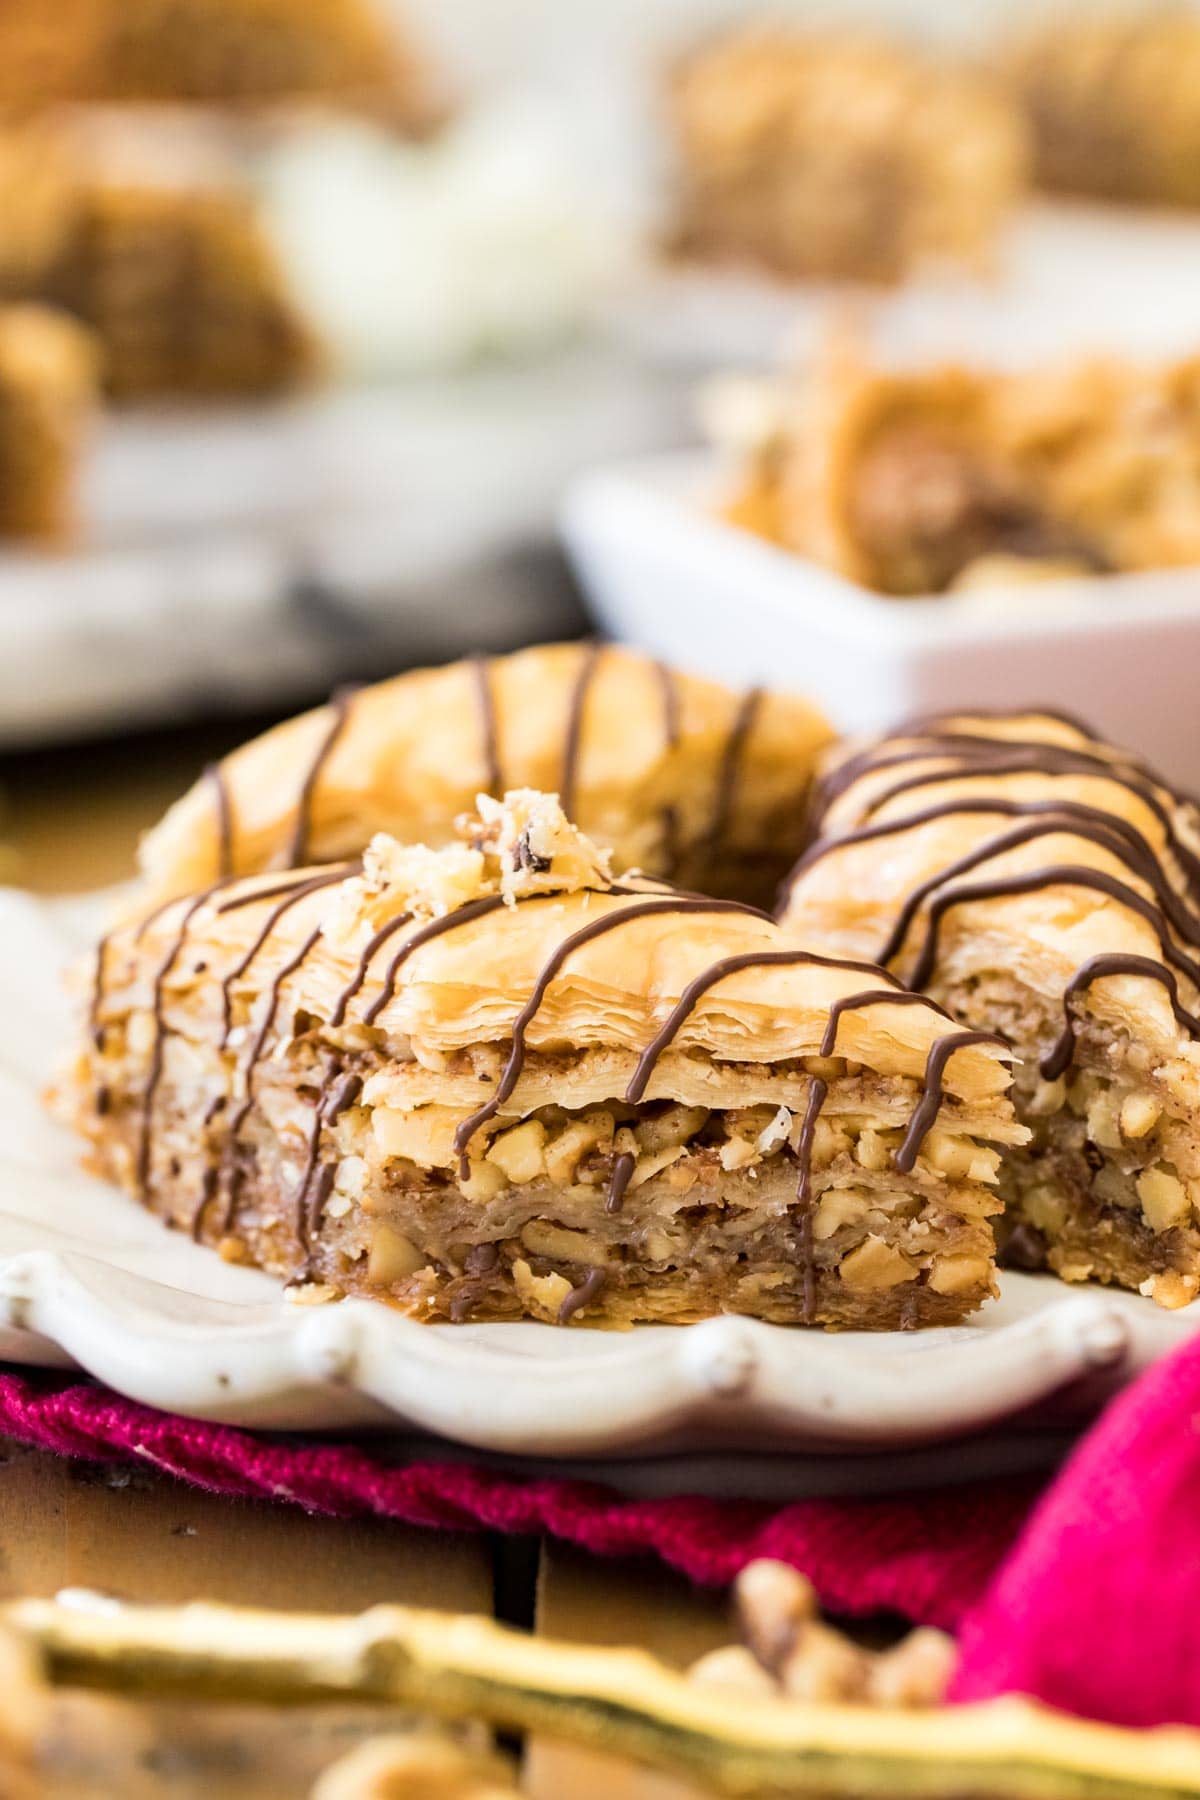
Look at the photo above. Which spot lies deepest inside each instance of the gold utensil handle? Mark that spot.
(622, 1701)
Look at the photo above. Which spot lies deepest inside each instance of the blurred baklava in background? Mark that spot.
(838, 155)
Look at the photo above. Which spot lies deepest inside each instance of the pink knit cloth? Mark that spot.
(926, 1556)
(1088, 1597)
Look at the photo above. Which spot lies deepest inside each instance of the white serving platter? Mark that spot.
(88, 1279)
(661, 569)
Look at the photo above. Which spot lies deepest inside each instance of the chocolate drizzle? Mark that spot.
(640, 909)
(481, 675)
(1173, 915)
(730, 769)
(925, 1116)
(1053, 875)
(975, 758)
(238, 1119)
(291, 897)
(297, 883)
(969, 807)
(817, 1092)
(161, 975)
(708, 978)
(573, 736)
(215, 776)
(579, 1296)
(669, 814)
(1057, 1060)
(1139, 862)
(298, 848)
(618, 1181)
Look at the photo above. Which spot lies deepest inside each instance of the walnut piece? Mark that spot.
(788, 1648)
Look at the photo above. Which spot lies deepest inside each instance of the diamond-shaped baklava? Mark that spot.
(1035, 881)
(676, 775)
(494, 1080)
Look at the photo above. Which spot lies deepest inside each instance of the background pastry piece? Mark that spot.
(677, 776)
(1113, 98)
(246, 51)
(487, 1082)
(838, 155)
(1038, 882)
(140, 224)
(48, 398)
(905, 480)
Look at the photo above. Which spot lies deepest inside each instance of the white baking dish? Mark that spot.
(662, 570)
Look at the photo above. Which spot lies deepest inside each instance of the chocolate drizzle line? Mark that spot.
(481, 674)
(95, 1028)
(1034, 759)
(968, 807)
(729, 772)
(300, 891)
(154, 1074)
(274, 993)
(1054, 875)
(641, 908)
(215, 776)
(804, 1149)
(925, 1116)
(574, 732)
(579, 1296)
(622, 1169)
(974, 757)
(718, 971)
(1057, 1060)
(669, 815)
(1143, 865)
(298, 848)
(298, 882)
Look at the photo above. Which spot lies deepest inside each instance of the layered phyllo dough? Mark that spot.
(495, 1080)
(675, 775)
(1037, 882)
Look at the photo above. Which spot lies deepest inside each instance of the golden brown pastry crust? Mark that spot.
(140, 223)
(676, 775)
(1111, 97)
(488, 1083)
(48, 400)
(223, 51)
(1034, 879)
(839, 155)
(906, 481)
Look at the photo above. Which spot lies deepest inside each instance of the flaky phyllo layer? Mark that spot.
(674, 775)
(492, 1081)
(1037, 882)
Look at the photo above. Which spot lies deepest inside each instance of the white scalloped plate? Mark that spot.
(86, 1278)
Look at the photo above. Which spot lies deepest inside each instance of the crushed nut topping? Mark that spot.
(521, 845)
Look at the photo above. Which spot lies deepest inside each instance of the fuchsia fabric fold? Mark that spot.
(926, 1556)
(1087, 1596)
(1097, 1608)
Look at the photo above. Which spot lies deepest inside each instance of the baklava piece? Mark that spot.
(142, 225)
(48, 399)
(222, 51)
(918, 481)
(1037, 882)
(1113, 99)
(489, 1082)
(677, 776)
(838, 156)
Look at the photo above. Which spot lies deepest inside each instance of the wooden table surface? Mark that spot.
(69, 820)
